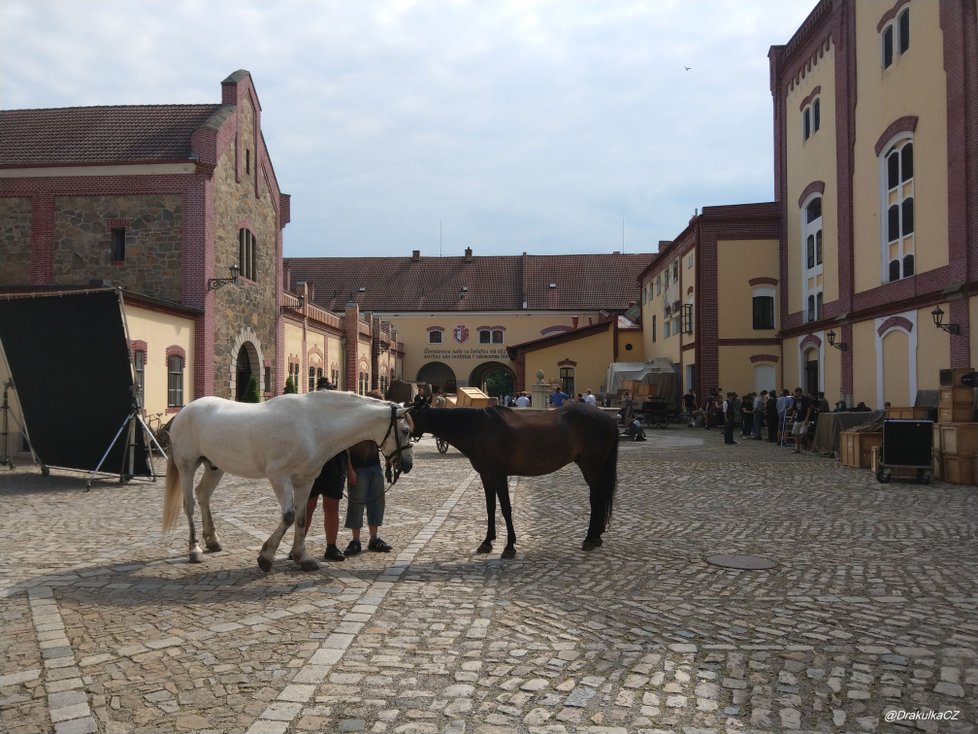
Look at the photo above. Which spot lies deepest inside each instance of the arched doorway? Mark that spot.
(497, 377)
(246, 367)
(438, 374)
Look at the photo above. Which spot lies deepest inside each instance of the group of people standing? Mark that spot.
(358, 470)
(794, 413)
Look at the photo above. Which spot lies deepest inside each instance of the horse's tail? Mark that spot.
(609, 476)
(173, 498)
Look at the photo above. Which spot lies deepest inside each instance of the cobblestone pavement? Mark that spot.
(870, 615)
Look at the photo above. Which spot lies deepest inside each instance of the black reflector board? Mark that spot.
(69, 359)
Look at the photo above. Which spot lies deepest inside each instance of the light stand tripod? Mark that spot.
(5, 409)
(128, 467)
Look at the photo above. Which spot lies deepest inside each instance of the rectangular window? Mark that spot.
(806, 124)
(118, 244)
(139, 363)
(312, 379)
(763, 312)
(485, 336)
(888, 47)
(653, 329)
(434, 337)
(174, 382)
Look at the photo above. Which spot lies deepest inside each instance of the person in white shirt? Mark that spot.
(589, 398)
(522, 401)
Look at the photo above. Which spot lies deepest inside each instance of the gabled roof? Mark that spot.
(471, 283)
(99, 135)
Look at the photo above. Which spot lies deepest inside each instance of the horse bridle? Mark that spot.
(393, 470)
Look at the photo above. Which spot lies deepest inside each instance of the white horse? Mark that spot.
(287, 439)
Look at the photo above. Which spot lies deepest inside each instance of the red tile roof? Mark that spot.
(94, 135)
(486, 283)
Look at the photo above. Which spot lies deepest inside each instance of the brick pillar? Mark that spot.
(351, 329)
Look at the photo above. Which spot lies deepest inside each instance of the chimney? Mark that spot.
(468, 254)
(415, 256)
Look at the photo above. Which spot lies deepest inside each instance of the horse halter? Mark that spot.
(393, 474)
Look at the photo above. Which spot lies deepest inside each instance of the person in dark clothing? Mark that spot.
(771, 413)
(729, 417)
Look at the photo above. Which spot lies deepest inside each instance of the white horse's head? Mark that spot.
(396, 445)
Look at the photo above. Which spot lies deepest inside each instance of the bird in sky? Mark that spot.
(687, 68)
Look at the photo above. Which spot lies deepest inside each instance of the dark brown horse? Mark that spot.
(503, 442)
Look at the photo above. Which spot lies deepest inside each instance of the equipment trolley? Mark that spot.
(907, 445)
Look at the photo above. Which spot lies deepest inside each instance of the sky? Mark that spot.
(508, 126)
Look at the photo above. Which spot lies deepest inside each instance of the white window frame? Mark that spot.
(906, 245)
(813, 228)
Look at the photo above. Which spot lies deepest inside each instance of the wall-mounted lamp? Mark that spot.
(214, 283)
(830, 336)
(938, 315)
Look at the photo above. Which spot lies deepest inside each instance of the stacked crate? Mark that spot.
(956, 432)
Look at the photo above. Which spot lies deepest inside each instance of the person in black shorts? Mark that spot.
(329, 485)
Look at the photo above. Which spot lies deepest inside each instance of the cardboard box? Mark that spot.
(907, 413)
(952, 377)
(856, 448)
(472, 397)
(959, 438)
(958, 469)
(951, 396)
(956, 414)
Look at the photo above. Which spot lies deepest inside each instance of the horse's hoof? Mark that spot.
(591, 544)
(484, 548)
(196, 557)
(508, 552)
(309, 565)
(264, 564)
(214, 547)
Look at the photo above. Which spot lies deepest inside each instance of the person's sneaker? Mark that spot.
(333, 554)
(378, 545)
(353, 549)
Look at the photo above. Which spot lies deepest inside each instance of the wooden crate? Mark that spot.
(959, 438)
(472, 397)
(956, 414)
(951, 396)
(958, 468)
(952, 377)
(938, 443)
(906, 413)
(938, 465)
(856, 448)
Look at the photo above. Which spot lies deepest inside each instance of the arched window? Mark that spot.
(897, 189)
(567, 380)
(811, 118)
(895, 39)
(812, 267)
(763, 303)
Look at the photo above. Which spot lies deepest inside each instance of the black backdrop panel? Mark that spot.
(69, 359)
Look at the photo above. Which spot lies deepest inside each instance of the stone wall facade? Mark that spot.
(15, 240)
(83, 241)
(242, 202)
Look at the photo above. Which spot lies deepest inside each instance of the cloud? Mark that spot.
(518, 125)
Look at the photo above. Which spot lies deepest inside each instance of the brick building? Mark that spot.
(165, 201)
(876, 175)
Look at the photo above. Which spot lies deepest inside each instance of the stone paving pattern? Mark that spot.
(871, 611)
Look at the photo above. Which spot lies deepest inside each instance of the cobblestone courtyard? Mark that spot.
(870, 615)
